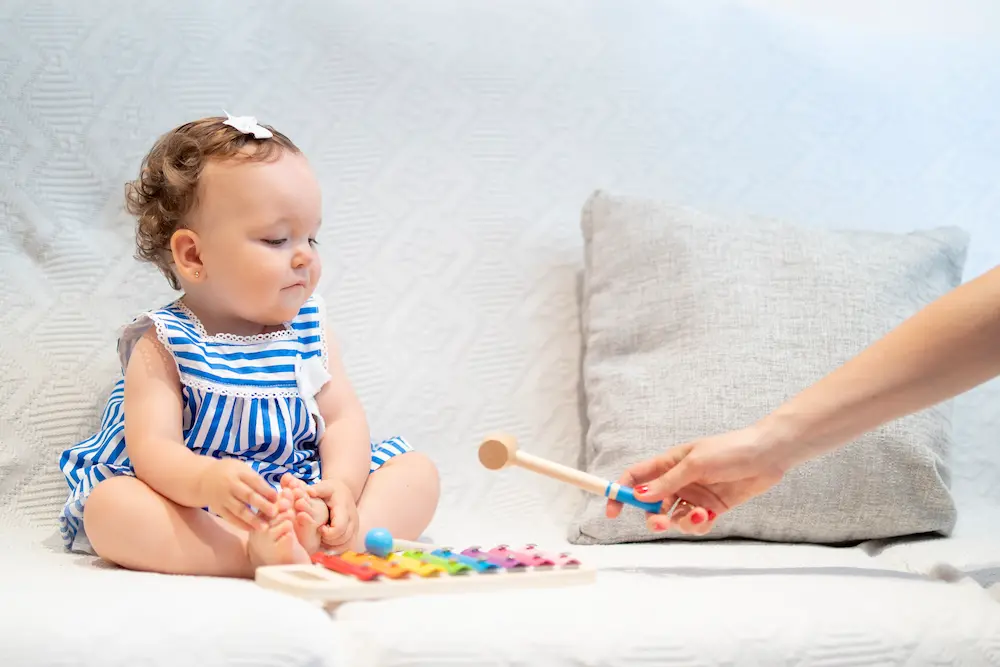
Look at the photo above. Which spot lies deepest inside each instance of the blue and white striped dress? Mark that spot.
(250, 397)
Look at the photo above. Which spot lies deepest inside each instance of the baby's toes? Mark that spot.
(284, 504)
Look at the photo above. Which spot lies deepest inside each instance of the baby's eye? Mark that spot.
(274, 241)
(313, 242)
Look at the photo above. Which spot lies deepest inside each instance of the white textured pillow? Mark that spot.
(695, 325)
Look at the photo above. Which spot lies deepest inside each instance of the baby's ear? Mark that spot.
(187, 256)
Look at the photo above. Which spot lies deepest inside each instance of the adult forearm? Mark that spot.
(172, 470)
(947, 348)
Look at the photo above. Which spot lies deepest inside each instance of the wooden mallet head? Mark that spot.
(498, 452)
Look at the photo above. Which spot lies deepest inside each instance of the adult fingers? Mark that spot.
(681, 481)
(710, 497)
(644, 471)
(614, 507)
(657, 466)
(687, 519)
(697, 521)
(661, 522)
(666, 483)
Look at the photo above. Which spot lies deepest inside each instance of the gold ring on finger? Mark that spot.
(677, 503)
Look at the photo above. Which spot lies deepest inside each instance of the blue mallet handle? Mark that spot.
(626, 494)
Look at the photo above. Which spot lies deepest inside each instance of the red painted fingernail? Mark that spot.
(711, 514)
(697, 518)
(642, 489)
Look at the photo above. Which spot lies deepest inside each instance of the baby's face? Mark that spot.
(257, 223)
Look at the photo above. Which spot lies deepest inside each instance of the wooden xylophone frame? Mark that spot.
(332, 579)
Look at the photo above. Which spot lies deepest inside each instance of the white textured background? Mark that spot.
(456, 142)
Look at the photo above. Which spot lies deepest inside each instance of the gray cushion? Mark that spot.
(696, 325)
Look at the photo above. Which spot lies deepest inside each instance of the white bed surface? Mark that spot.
(68, 609)
(973, 556)
(692, 604)
(795, 619)
(684, 604)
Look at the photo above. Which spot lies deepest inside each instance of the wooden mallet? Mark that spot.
(500, 451)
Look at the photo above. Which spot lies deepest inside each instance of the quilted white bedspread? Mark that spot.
(456, 142)
(688, 605)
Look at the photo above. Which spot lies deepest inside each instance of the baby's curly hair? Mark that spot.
(166, 189)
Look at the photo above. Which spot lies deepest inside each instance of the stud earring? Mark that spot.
(197, 273)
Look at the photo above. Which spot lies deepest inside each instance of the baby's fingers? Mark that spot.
(321, 489)
(233, 518)
(332, 538)
(257, 483)
(244, 514)
(250, 497)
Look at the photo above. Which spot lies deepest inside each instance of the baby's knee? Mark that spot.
(104, 507)
(106, 495)
(419, 469)
(424, 466)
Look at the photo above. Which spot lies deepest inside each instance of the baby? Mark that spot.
(234, 438)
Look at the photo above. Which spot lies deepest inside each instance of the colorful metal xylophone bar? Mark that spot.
(414, 571)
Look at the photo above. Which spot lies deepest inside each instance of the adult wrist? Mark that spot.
(782, 437)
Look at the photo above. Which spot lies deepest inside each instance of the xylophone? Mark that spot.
(413, 568)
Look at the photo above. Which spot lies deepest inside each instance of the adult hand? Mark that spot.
(713, 475)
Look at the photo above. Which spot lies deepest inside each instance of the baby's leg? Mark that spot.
(401, 496)
(131, 525)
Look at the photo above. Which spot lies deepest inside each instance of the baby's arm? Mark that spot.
(155, 442)
(345, 451)
(401, 497)
(153, 425)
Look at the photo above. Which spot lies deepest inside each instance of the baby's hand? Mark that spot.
(230, 488)
(341, 534)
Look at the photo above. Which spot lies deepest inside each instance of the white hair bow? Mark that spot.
(247, 125)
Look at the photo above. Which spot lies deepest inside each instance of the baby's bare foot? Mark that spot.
(277, 544)
(289, 481)
(311, 514)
